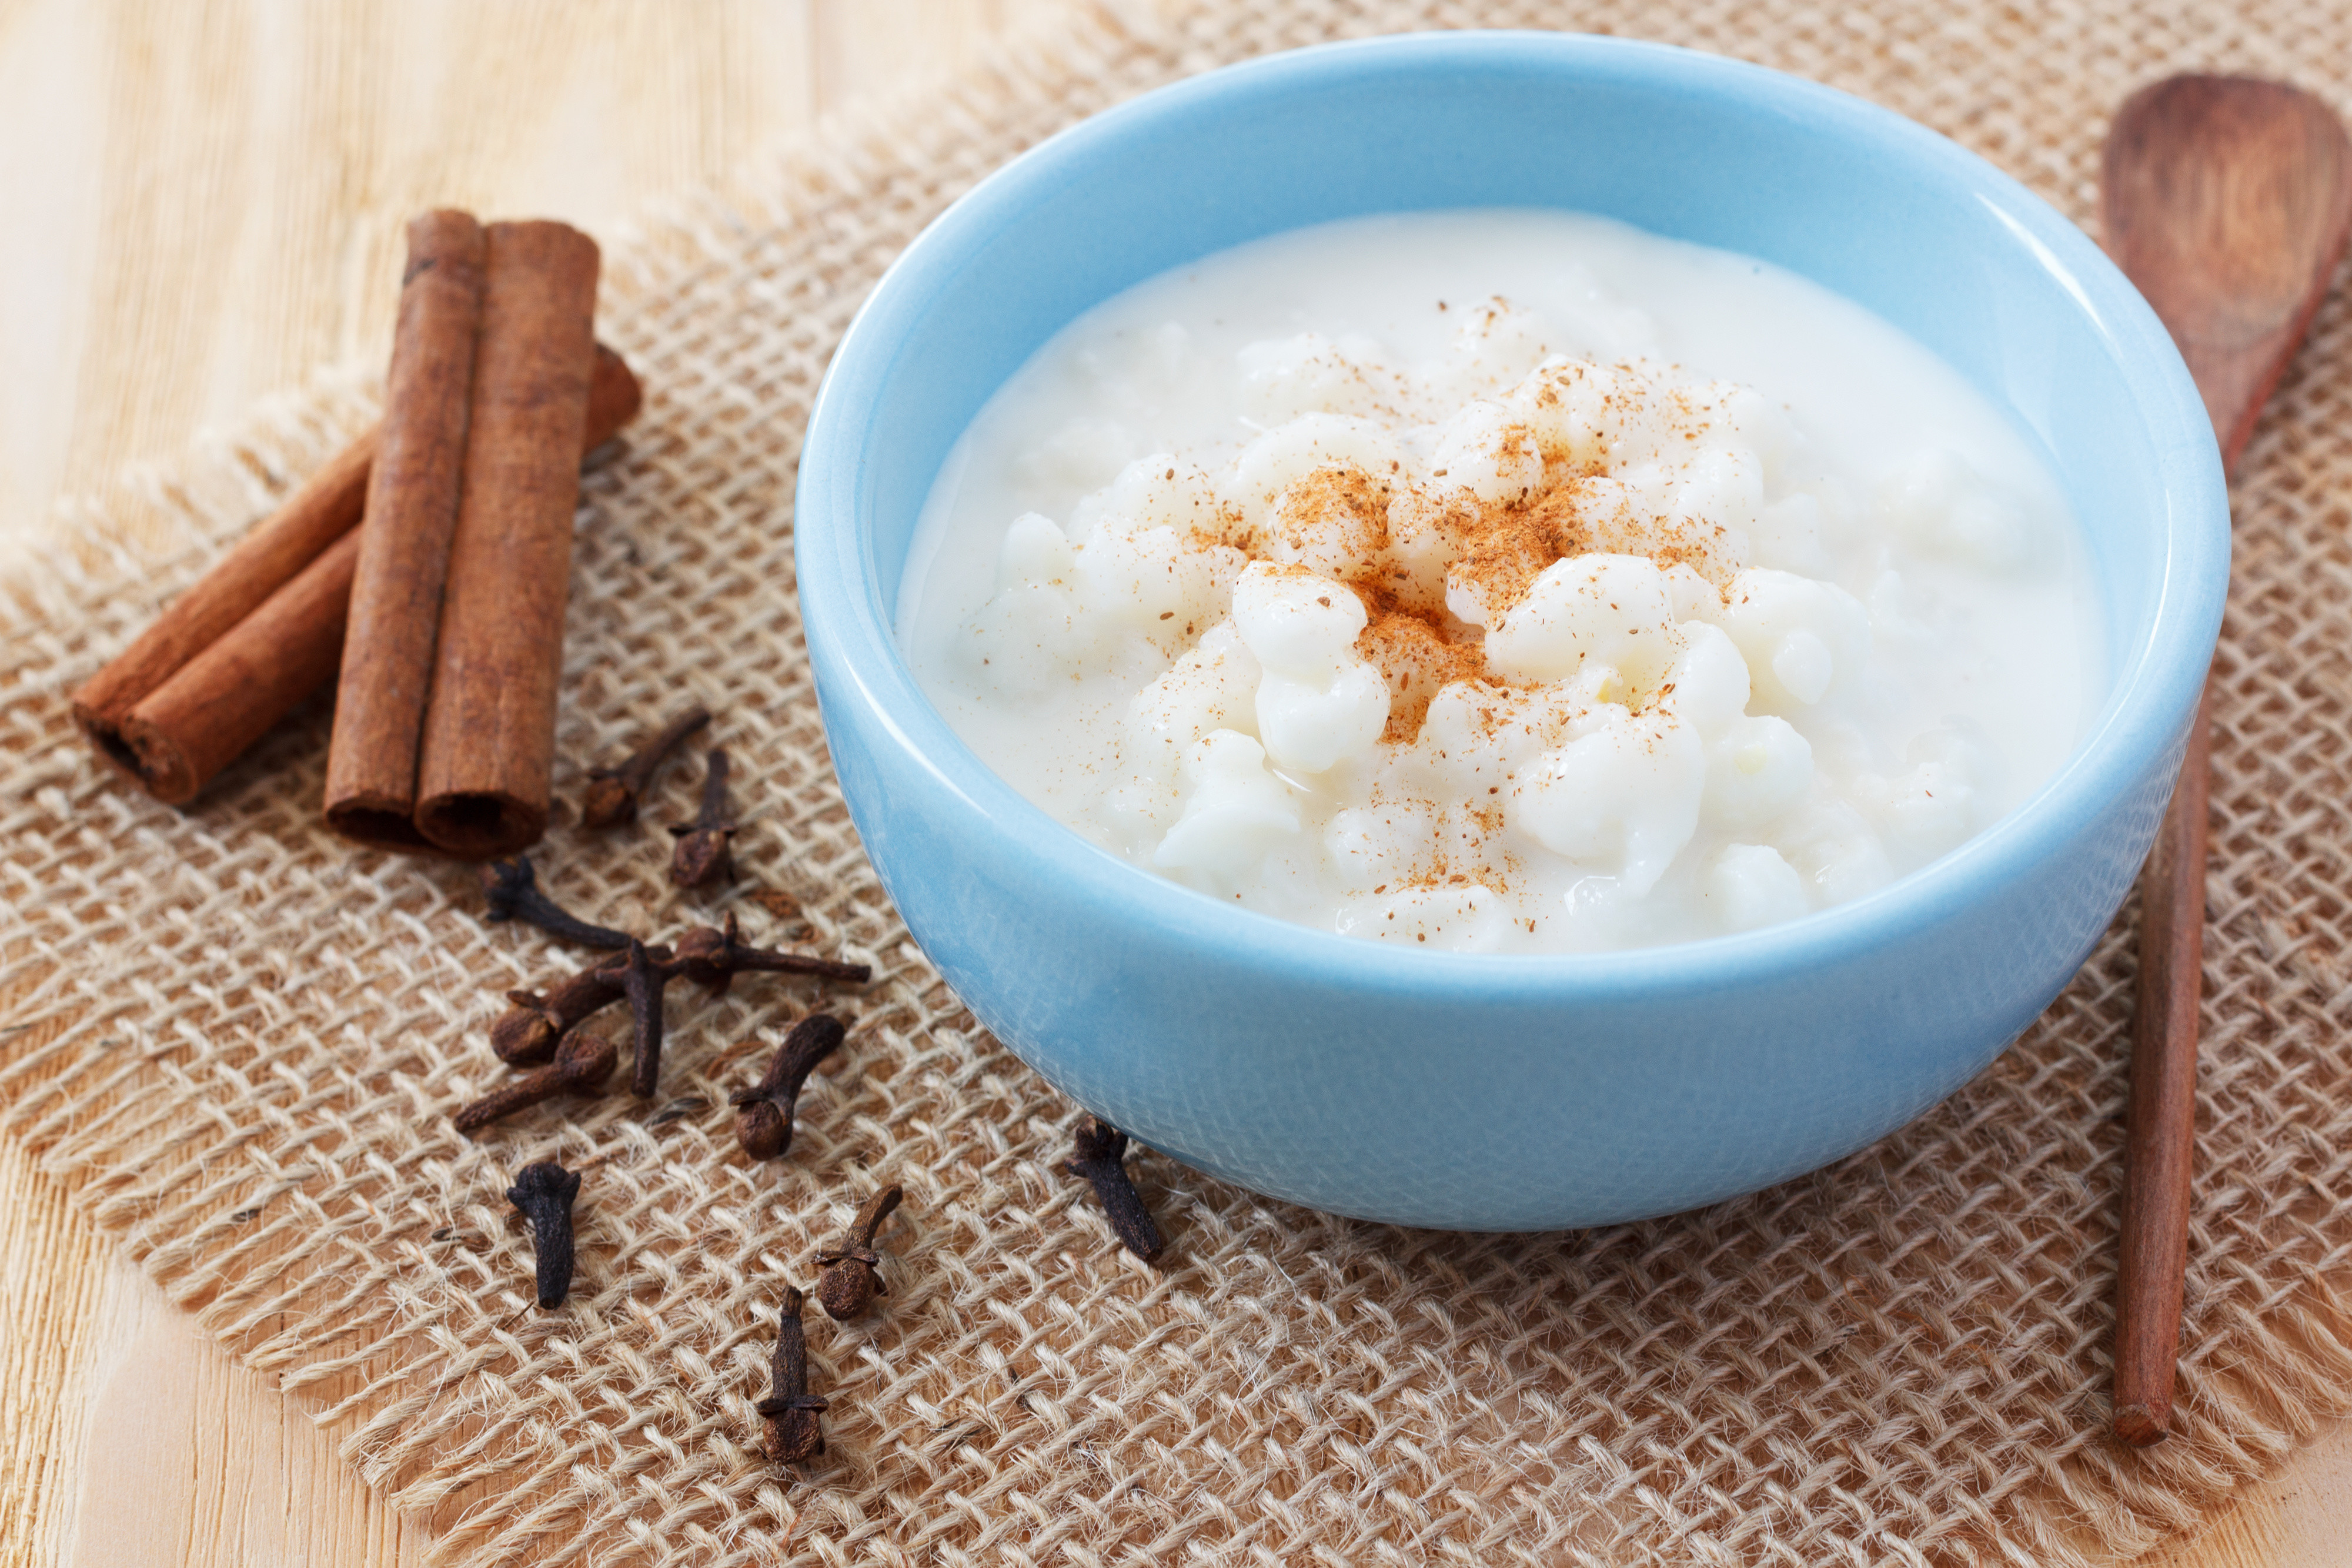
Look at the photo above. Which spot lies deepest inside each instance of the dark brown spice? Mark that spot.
(792, 1411)
(706, 846)
(513, 888)
(763, 1116)
(544, 1192)
(708, 955)
(581, 1065)
(613, 792)
(643, 979)
(1100, 1158)
(713, 957)
(527, 1033)
(850, 1282)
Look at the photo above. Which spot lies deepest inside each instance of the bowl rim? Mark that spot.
(2152, 695)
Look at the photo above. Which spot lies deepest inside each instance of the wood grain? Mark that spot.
(287, 145)
(2227, 201)
(2160, 1130)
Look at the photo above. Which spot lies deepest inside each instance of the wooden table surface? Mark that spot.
(205, 201)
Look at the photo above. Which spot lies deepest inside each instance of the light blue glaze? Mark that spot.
(1510, 1093)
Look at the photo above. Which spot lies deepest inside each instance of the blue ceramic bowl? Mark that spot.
(1510, 1093)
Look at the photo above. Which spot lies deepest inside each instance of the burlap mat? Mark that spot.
(239, 1040)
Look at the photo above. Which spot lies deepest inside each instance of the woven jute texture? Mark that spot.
(239, 1038)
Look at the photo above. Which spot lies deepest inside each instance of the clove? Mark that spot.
(850, 1281)
(706, 846)
(1101, 1157)
(527, 1032)
(709, 957)
(643, 979)
(613, 792)
(544, 1192)
(792, 1411)
(763, 1114)
(713, 957)
(580, 1066)
(513, 888)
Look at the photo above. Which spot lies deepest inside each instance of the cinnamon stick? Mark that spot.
(484, 763)
(224, 699)
(403, 555)
(325, 508)
(202, 685)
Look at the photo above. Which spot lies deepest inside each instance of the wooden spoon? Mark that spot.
(2228, 200)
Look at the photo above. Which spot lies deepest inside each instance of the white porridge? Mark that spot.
(1502, 581)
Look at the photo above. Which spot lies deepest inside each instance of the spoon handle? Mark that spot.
(2160, 1138)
